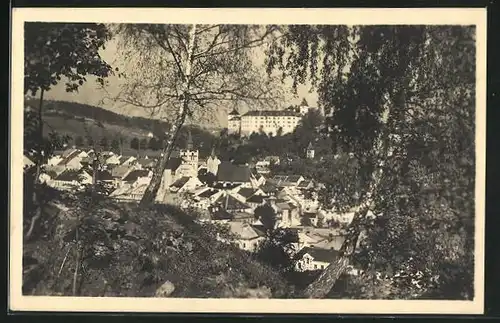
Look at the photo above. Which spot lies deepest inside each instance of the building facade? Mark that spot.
(267, 121)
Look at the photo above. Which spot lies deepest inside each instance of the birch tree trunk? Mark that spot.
(326, 281)
(155, 183)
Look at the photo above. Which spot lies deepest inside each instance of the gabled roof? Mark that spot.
(146, 161)
(135, 174)
(174, 163)
(230, 203)
(69, 176)
(27, 162)
(120, 171)
(324, 255)
(269, 187)
(66, 153)
(304, 102)
(293, 178)
(208, 193)
(69, 157)
(221, 214)
(245, 231)
(229, 172)
(284, 180)
(180, 182)
(234, 112)
(305, 183)
(104, 175)
(246, 192)
(256, 199)
(123, 159)
(310, 146)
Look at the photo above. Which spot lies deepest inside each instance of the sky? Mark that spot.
(91, 94)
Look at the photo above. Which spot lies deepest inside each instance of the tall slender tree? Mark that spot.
(379, 84)
(57, 51)
(185, 70)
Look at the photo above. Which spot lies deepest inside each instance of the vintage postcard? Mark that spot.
(248, 160)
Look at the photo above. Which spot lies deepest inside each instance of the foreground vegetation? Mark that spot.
(119, 250)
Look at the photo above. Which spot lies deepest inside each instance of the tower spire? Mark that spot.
(189, 143)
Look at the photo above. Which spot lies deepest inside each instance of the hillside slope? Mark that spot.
(81, 120)
(131, 252)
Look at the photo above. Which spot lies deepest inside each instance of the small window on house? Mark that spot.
(244, 245)
(322, 266)
(315, 266)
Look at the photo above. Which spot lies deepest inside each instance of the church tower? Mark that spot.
(234, 122)
(213, 163)
(304, 107)
(189, 158)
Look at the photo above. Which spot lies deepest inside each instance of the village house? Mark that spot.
(219, 215)
(245, 193)
(71, 180)
(134, 185)
(269, 189)
(247, 237)
(202, 198)
(54, 160)
(309, 218)
(310, 259)
(145, 163)
(127, 160)
(177, 168)
(343, 218)
(213, 163)
(287, 213)
(112, 160)
(105, 177)
(230, 175)
(231, 204)
(71, 160)
(245, 217)
(287, 180)
(322, 238)
(118, 173)
(185, 184)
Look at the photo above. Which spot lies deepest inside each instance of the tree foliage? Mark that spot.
(267, 215)
(134, 143)
(57, 50)
(388, 92)
(179, 70)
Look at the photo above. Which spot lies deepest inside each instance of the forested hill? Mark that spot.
(79, 111)
(81, 120)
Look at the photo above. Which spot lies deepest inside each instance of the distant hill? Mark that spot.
(80, 120)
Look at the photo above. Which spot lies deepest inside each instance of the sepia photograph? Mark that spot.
(248, 160)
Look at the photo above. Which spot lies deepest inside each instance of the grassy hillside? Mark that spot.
(131, 252)
(80, 120)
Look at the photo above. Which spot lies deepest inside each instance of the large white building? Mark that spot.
(267, 121)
